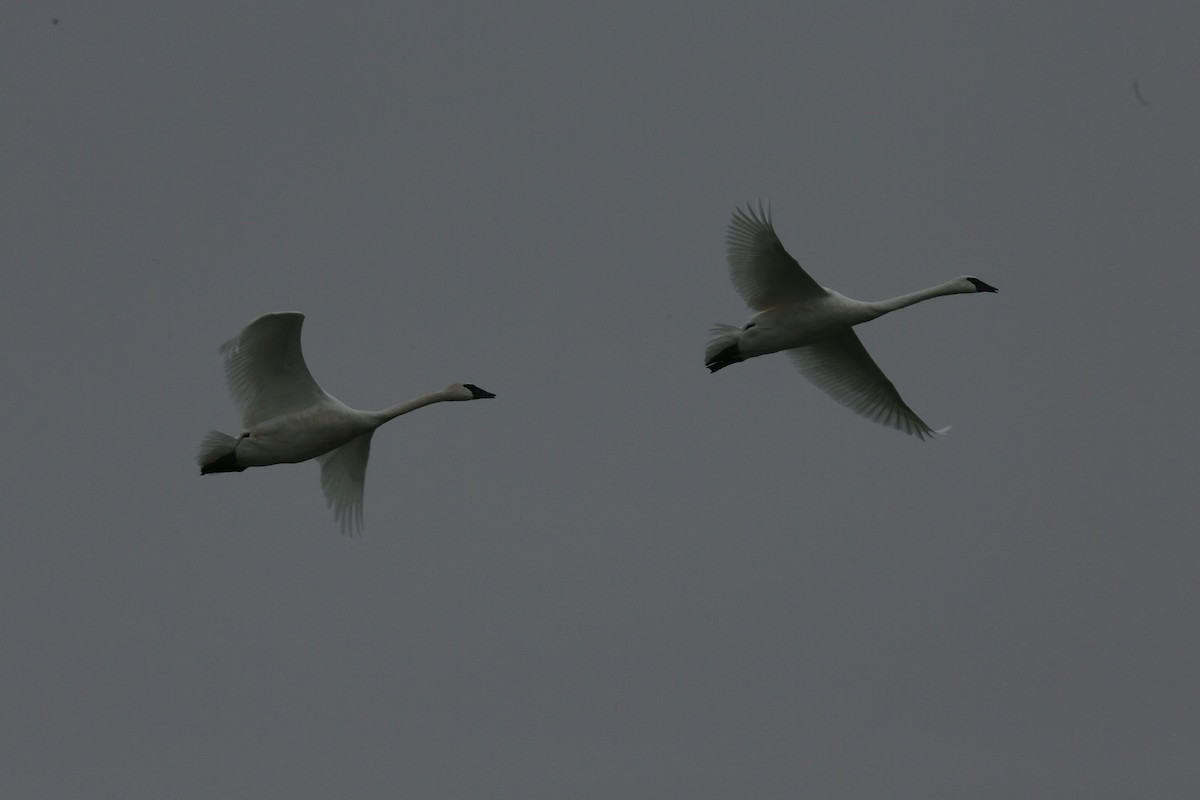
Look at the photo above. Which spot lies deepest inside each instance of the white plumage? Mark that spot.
(289, 418)
(814, 325)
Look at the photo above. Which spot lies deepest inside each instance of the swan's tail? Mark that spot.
(722, 349)
(218, 453)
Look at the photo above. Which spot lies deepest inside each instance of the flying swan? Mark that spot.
(814, 325)
(288, 418)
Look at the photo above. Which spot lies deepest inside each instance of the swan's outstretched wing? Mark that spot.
(266, 371)
(841, 366)
(762, 271)
(343, 472)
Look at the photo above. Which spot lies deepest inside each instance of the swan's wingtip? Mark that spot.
(943, 431)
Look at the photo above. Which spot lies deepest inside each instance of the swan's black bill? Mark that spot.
(980, 286)
(477, 393)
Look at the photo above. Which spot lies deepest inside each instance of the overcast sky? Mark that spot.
(624, 577)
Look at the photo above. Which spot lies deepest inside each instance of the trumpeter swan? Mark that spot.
(813, 324)
(288, 418)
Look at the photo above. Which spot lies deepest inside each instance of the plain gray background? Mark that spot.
(624, 577)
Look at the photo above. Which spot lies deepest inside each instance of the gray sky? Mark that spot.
(624, 577)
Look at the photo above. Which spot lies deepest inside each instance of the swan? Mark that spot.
(289, 419)
(812, 324)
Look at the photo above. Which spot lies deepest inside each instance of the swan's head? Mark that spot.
(976, 285)
(466, 391)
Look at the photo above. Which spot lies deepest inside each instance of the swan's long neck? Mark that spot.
(905, 300)
(412, 405)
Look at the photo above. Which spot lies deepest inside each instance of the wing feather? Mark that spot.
(763, 272)
(343, 474)
(265, 369)
(842, 367)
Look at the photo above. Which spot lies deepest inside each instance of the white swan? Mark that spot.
(288, 418)
(813, 324)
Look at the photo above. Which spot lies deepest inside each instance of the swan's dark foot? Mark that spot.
(729, 355)
(226, 463)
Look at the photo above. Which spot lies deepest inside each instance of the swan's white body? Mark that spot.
(814, 325)
(289, 418)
